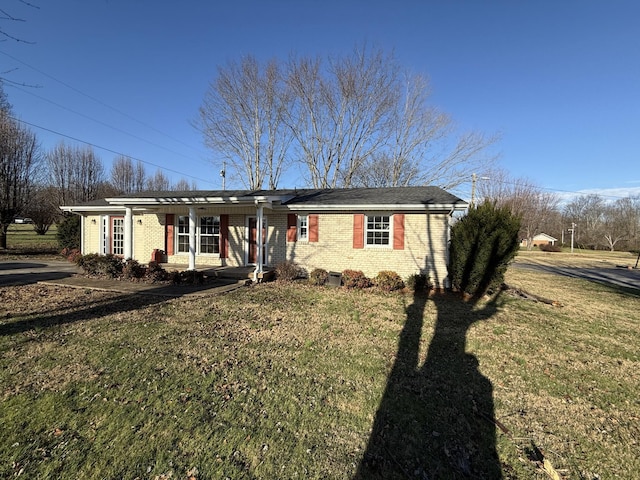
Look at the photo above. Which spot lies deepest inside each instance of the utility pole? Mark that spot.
(474, 179)
(572, 229)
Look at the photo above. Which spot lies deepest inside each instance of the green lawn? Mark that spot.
(22, 240)
(291, 381)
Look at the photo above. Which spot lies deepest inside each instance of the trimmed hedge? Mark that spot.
(388, 281)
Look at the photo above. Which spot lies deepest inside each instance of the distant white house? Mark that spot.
(540, 239)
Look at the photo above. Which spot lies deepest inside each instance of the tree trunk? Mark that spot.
(3, 237)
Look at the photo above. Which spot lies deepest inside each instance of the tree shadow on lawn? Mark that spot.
(435, 420)
(89, 310)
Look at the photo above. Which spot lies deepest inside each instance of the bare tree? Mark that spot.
(242, 118)
(127, 177)
(587, 212)
(8, 16)
(77, 173)
(423, 147)
(19, 157)
(183, 185)
(343, 113)
(158, 182)
(43, 208)
(535, 208)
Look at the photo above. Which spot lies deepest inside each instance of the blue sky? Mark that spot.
(559, 79)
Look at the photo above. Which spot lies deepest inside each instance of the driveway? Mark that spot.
(23, 272)
(618, 277)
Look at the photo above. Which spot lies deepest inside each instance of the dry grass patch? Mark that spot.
(290, 381)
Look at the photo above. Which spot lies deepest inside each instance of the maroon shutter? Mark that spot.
(224, 236)
(292, 227)
(313, 228)
(358, 230)
(398, 231)
(168, 233)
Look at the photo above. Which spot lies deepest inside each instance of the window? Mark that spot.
(209, 234)
(303, 227)
(378, 230)
(183, 234)
(117, 235)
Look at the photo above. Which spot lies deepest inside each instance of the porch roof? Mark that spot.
(392, 198)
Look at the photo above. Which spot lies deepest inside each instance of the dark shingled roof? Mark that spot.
(300, 198)
(336, 196)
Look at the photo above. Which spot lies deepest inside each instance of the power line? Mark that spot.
(106, 149)
(100, 102)
(101, 122)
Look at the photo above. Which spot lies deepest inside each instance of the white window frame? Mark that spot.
(216, 236)
(199, 235)
(302, 222)
(389, 230)
(182, 234)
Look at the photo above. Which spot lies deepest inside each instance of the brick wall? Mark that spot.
(425, 243)
(424, 248)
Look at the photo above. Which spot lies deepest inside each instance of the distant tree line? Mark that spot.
(598, 224)
(35, 182)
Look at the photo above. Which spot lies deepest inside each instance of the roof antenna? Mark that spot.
(223, 174)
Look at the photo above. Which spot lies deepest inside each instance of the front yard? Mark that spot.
(289, 381)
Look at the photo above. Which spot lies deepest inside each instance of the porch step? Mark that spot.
(236, 273)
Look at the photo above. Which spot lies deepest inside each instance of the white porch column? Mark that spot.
(128, 233)
(260, 242)
(192, 238)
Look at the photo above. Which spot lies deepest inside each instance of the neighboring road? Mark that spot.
(617, 276)
(22, 272)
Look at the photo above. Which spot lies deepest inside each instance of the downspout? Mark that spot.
(447, 280)
(82, 249)
(128, 233)
(257, 274)
(192, 238)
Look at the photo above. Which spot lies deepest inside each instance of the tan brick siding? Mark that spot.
(424, 247)
(424, 250)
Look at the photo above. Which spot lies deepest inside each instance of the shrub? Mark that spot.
(355, 279)
(318, 276)
(132, 269)
(71, 254)
(107, 265)
(482, 244)
(155, 272)
(388, 281)
(68, 233)
(288, 271)
(418, 282)
(547, 247)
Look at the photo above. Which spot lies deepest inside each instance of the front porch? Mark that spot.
(236, 273)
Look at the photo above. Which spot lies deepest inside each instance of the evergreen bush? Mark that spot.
(482, 244)
(68, 234)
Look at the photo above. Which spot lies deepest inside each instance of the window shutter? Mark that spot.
(313, 228)
(168, 233)
(224, 236)
(292, 227)
(398, 231)
(358, 230)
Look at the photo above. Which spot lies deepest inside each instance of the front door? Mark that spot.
(117, 236)
(252, 253)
